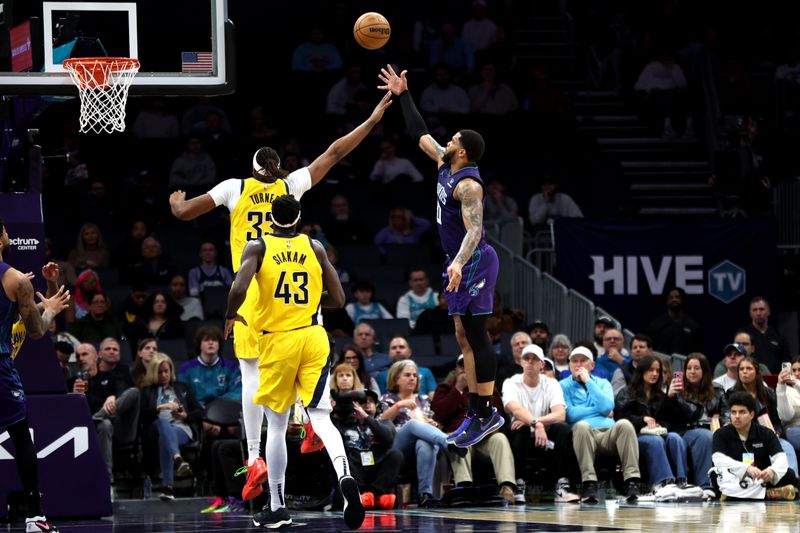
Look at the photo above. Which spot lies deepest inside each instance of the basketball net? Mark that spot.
(103, 84)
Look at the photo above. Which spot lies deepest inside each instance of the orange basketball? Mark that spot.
(372, 30)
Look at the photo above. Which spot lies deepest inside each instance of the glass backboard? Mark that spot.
(183, 46)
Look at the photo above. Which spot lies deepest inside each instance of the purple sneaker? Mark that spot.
(451, 438)
(478, 428)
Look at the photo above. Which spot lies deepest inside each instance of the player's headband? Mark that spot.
(258, 168)
(289, 225)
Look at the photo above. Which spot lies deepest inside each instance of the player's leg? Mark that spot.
(28, 470)
(313, 387)
(471, 306)
(248, 346)
(276, 393)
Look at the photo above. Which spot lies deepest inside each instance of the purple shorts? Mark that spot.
(475, 293)
(12, 397)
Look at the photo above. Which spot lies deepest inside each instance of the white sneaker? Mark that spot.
(564, 492)
(709, 495)
(691, 493)
(667, 493)
(37, 524)
(519, 493)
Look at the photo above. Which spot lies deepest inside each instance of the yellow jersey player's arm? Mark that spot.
(334, 298)
(185, 210)
(252, 256)
(344, 145)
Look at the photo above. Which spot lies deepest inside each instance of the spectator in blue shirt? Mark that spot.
(590, 402)
(612, 356)
(209, 375)
(399, 349)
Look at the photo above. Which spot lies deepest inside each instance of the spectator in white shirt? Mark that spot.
(341, 96)
(389, 166)
(443, 96)
(734, 353)
(491, 96)
(663, 82)
(421, 297)
(479, 31)
(538, 410)
(551, 203)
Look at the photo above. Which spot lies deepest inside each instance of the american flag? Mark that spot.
(196, 62)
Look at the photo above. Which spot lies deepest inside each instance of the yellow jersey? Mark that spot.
(289, 285)
(250, 217)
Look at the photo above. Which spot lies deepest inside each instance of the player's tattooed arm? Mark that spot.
(470, 193)
(36, 322)
(432, 148)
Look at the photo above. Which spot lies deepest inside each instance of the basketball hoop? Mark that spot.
(103, 84)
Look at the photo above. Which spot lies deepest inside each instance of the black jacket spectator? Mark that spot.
(184, 395)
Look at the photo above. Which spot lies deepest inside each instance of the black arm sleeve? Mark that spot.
(414, 122)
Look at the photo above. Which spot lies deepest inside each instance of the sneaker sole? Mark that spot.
(475, 440)
(276, 525)
(353, 509)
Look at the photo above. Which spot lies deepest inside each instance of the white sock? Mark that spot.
(276, 455)
(331, 438)
(252, 413)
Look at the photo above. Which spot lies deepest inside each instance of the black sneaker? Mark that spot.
(682, 482)
(632, 490)
(182, 468)
(353, 508)
(272, 519)
(426, 500)
(589, 492)
(167, 494)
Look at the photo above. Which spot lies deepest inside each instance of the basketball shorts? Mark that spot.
(12, 397)
(475, 293)
(295, 365)
(247, 339)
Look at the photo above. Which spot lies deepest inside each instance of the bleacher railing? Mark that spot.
(541, 296)
(786, 197)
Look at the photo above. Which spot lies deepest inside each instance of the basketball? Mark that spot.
(372, 30)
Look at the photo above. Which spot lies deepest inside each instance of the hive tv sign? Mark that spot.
(631, 275)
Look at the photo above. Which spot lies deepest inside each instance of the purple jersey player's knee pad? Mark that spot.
(475, 293)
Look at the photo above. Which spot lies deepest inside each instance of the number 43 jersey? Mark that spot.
(289, 285)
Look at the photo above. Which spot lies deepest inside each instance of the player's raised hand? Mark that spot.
(176, 199)
(392, 82)
(56, 303)
(51, 271)
(377, 113)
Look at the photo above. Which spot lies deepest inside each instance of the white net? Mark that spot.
(103, 84)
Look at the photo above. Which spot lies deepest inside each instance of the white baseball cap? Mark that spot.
(534, 349)
(582, 350)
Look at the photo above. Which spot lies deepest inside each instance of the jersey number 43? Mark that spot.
(296, 292)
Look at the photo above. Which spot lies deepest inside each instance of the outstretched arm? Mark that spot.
(184, 209)
(470, 193)
(344, 145)
(252, 256)
(330, 279)
(398, 85)
(36, 322)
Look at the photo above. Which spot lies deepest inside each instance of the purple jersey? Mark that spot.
(448, 209)
(475, 294)
(12, 397)
(8, 315)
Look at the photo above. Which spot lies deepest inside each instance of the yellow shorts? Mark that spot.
(296, 364)
(247, 341)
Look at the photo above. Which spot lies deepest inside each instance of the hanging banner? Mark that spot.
(627, 267)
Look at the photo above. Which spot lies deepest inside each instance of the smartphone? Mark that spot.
(678, 374)
(786, 366)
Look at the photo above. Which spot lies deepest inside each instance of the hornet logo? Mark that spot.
(476, 287)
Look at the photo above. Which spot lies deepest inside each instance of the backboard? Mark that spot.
(185, 47)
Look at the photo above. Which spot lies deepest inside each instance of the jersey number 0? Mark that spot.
(283, 290)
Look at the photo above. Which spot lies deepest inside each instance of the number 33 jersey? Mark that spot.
(289, 285)
(249, 202)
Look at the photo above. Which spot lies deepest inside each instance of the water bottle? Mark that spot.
(148, 488)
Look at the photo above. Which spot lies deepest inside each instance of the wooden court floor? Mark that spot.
(714, 517)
